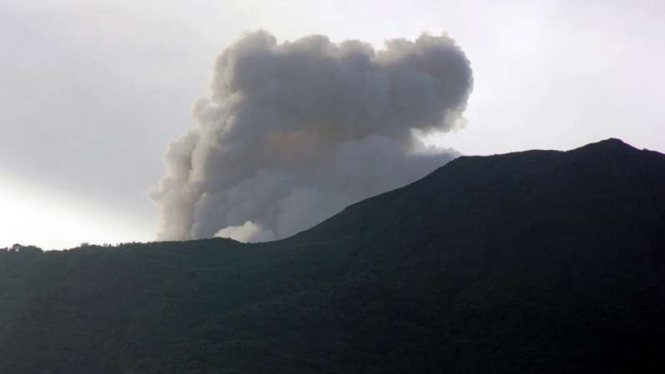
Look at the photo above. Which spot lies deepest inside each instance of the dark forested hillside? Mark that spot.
(539, 261)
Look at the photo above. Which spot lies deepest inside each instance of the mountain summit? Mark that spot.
(537, 261)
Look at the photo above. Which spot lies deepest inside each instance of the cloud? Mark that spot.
(293, 132)
(247, 232)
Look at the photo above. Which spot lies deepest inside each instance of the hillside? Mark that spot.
(538, 261)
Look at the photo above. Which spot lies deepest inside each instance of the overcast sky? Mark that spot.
(91, 91)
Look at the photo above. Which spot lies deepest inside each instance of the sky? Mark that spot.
(92, 91)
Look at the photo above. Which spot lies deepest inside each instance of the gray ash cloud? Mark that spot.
(293, 132)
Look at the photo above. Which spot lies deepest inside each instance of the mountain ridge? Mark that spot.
(542, 261)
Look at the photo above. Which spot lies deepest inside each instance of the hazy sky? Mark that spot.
(92, 91)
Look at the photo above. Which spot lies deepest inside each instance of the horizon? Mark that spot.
(120, 243)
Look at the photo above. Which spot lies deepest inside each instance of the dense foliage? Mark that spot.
(541, 261)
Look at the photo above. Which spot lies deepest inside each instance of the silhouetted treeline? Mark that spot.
(22, 249)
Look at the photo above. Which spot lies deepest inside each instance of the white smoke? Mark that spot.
(291, 133)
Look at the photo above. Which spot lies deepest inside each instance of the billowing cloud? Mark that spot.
(293, 132)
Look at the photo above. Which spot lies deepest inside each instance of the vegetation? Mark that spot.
(541, 261)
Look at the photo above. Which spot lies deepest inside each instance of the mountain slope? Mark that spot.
(539, 261)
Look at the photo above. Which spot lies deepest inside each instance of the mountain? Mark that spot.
(538, 261)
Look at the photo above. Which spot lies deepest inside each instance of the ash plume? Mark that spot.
(293, 132)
